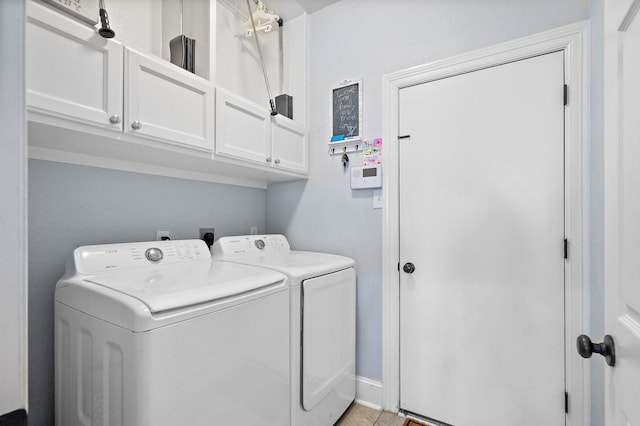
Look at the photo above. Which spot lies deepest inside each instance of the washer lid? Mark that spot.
(174, 287)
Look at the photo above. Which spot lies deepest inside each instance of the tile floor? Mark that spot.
(359, 415)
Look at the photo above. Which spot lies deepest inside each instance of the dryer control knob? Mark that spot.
(260, 244)
(154, 255)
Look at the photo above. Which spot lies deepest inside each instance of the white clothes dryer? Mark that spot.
(157, 333)
(323, 321)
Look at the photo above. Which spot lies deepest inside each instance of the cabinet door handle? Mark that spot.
(136, 125)
(114, 119)
(268, 159)
(277, 161)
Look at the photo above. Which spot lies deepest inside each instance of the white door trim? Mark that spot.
(572, 40)
(14, 382)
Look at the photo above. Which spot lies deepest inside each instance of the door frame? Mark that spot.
(572, 40)
(14, 362)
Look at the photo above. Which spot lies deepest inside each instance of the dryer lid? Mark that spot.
(274, 252)
(300, 265)
(180, 286)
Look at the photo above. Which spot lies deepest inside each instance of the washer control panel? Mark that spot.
(154, 254)
(112, 257)
(249, 245)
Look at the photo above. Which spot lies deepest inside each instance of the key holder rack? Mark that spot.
(346, 147)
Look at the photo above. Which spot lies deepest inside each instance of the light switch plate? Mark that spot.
(377, 198)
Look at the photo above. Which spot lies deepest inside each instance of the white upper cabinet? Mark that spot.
(289, 146)
(71, 72)
(246, 131)
(242, 129)
(75, 79)
(99, 101)
(167, 103)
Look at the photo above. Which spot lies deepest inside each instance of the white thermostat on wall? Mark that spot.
(366, 177)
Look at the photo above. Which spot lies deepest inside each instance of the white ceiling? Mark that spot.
(288, 9)
(311, 6)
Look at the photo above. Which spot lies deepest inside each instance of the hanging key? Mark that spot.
(345, 160)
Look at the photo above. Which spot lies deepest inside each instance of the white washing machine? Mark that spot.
(157, 333)
(323, 322)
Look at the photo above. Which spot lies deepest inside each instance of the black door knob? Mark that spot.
(409, 268)
(606, 348)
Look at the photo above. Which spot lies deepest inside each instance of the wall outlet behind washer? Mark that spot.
(163, 235)
(203, 231)
(207, 235)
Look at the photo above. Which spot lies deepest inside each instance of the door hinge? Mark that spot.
(566, 94)
(404, 137)
(566, 403)
(566, 248)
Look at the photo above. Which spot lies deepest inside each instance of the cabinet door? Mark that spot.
(289, 146)
(71, 72)
(167, 103)
(242, 129)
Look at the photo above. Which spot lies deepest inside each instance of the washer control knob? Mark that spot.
(260, 244)
(154, 255)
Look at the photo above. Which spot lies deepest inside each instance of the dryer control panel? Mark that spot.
(249, 245)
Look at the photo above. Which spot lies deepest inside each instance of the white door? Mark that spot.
(622, 209)
(168, 103)
(482, 221)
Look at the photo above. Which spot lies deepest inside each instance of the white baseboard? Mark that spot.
(369, 392)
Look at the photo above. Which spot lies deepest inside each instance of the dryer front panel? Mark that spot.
(328, 336)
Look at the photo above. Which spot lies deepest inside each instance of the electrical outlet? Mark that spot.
(163, 235)
(207, 235)
(203, 231)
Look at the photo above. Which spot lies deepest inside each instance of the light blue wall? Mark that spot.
(73, 205)
(365, 39)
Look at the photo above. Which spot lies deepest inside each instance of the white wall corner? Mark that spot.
(13, 209)
(369, 392)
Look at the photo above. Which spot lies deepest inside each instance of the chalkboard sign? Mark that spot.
(347, 111)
